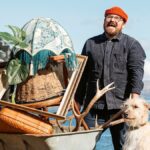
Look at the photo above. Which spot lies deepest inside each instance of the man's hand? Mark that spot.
(134, 95)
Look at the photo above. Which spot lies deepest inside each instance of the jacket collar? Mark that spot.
(116, 38)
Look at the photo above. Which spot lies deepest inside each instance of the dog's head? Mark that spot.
(136, 112)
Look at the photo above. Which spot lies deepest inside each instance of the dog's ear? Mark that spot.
(147, 105)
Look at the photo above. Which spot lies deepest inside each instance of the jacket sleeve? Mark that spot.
(81, 90)
(136, 59)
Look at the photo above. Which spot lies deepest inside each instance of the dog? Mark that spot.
(136, 115)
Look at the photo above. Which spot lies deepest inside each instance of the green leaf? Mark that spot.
(16, 39)
(22, 45)
(6, 36)
(17, 32)
(13, 29)
(9, 38)
(16, 72)
(23, 34)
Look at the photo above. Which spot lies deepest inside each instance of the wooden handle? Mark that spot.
(51, 102)
(107, 123)
(28, 109)
(117, 122)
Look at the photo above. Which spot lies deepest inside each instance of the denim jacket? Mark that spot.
(120, 60)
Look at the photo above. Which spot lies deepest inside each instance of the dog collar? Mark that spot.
(136, 127)
(133, 128)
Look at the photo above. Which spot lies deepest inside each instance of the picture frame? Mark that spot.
(72, 86)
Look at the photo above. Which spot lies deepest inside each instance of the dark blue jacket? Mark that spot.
(120, 60)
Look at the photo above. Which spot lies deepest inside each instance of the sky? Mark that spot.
(82, 19)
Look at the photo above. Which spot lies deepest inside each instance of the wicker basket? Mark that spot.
(42, 86)
(14, 121)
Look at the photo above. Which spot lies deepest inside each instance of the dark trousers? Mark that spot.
(117, 131)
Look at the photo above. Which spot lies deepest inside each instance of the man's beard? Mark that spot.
(111, 32)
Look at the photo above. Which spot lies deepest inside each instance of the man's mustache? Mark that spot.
(111, 23)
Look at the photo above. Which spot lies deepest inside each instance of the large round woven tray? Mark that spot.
(44, 85)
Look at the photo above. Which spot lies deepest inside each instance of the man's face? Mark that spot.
(113, 25)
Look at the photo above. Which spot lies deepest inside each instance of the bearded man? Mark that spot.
(112, 57)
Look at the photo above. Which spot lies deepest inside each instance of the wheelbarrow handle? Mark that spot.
(108, 123)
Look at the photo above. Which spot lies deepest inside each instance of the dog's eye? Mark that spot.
(135, 106)
(126, 106)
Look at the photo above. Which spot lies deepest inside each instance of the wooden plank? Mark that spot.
(57, 58)
(46, 103)
(33, 110)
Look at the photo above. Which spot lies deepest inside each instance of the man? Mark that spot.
(112, 57)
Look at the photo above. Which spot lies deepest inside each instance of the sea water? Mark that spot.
(105, 142)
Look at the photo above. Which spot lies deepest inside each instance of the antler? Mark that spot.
(98, 94)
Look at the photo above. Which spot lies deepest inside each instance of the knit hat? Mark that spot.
(117, 11)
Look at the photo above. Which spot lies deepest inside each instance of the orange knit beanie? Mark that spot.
(117, 11)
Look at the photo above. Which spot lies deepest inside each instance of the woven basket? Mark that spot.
(14, 121)
(44, 85)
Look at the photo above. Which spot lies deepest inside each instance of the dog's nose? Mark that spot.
(125, 115)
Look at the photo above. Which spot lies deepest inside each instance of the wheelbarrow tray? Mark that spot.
(81, 140)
